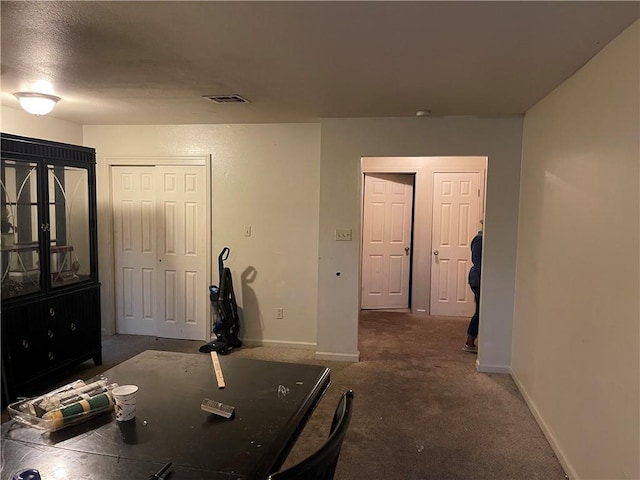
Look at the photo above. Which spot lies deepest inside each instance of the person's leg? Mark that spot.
(472, 330)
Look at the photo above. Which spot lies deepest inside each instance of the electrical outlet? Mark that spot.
(279, 313)
(343, 234)
(247, 230)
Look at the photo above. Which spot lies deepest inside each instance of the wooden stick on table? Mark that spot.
(218, 369)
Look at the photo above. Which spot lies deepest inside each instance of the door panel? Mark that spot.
(456, 215)
(386, 259)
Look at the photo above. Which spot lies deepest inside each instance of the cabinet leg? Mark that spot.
(97, 358)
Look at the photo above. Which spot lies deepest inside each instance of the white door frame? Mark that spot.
(107, 277)
(423, 169)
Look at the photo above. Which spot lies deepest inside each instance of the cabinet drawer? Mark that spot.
(77, 320)
(22, 341)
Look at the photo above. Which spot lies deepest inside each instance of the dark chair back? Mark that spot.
(322, 464)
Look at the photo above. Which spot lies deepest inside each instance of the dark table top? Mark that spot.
(272, 401)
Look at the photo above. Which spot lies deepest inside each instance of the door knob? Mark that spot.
(435, 252)
(406, 250)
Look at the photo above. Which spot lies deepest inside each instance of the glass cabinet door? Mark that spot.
(68, 189)
(20, 228)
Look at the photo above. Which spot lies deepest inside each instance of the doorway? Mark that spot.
(453, 174)
(161, 239)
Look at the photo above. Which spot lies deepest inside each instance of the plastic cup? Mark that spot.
(124, 397)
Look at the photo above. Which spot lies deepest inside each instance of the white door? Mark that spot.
(135, 250)
(160, 242)
(456, 220)
(386, 240)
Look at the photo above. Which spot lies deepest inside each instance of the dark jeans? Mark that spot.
(472, 331)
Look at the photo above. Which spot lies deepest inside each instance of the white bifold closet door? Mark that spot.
(160, 250)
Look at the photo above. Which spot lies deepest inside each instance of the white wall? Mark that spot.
(265, 176)
(19, 122)
(576, 326)
(343, 143)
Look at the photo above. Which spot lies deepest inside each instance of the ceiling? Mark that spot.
(151, 62)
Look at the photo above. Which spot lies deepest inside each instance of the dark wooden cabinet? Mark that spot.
(50, 290)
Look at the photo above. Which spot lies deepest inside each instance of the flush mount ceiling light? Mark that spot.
(36, 103)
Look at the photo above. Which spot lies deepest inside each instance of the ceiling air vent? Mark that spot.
(227, 98)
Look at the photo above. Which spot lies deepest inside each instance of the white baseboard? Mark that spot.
(339, 357)
(252, 342)
(566, 465)
(484, 368)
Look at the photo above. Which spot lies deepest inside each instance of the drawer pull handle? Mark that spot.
(50, 333)
(25, 343)
(52, 312)
(73, 327)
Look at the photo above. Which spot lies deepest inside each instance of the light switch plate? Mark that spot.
(343, 234)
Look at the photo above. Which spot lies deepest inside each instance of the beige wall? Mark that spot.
(19, 122)
(265, 176)
(576, 326)
(344, 142)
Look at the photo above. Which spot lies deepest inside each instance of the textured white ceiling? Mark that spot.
(151, 62)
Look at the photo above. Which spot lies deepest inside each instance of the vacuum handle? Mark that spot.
(224, 254)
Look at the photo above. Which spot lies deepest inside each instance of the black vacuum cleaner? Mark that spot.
(226, 326)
